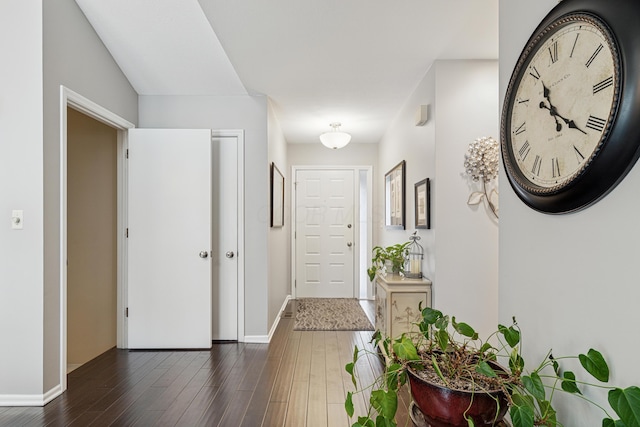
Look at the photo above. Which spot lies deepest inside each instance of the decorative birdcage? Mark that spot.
(415, 255)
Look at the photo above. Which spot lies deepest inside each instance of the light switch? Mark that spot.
(17, 219)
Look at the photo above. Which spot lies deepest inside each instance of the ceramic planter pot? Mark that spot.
(444, 407)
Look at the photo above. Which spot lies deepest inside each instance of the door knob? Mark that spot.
(229, 254)
(349, 244)
(203, 254)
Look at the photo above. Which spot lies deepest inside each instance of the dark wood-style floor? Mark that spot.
(297, 380)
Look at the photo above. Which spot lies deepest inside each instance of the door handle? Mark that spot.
(203, 254)
(229, 254)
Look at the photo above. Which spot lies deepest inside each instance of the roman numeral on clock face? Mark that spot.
(596, 123)
(555, 167)
(524, 150)
(603, 85)
(534, 73)
(520, 129)
(553, 52)
(537, 163)
(597, 51)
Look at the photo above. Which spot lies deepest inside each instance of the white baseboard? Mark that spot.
(30, 399)
(266, 339)
(256, 339)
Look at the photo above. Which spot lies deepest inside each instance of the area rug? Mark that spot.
(330, 314)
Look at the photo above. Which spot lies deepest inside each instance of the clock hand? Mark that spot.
(554, 112)
(572, 124)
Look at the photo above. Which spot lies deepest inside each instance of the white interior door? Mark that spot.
(225, 239)
(325, 215)
(169, 226)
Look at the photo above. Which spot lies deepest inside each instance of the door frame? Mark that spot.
(359, 272)
(69, 98)
(239, 135)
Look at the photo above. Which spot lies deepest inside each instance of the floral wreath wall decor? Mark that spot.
(481, 164)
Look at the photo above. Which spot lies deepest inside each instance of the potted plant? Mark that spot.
(394, 255)
(454, 376)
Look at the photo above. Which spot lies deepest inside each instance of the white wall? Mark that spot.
(74, 56)
(353, 154)
(571, 280)
(279, 252)
(232, 112)
(43, 45)
(461, 248)
(21, 156)
(466, 248)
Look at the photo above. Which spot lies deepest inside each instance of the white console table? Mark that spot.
(397, 299)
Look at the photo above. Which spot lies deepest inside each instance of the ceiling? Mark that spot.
(319, 61)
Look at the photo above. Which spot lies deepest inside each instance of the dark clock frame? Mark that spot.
(621, 147)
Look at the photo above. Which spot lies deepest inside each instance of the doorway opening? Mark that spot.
(91, 238)
(71, 103)
(317, 204)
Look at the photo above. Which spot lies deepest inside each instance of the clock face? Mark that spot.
(560, 104)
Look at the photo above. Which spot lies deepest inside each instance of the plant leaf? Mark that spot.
(608, 422)
(595, 364)
(516, 362)
(442, 323)
(470, 422)
(384, 422)
(404, 349)
(523, 400)
(348, 404)
(475, 198)
(533, 384)
(464, 329)
(626, 403)
(443, 339)
(364, 422)
(430, 316)
(385, 402)
(569, 383)
(392, 376)
(349, 368)
(510, 334)
(485, 369)
(548, 413)
(521, 416)
(485, 347)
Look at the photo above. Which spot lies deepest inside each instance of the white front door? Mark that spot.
(169, 228)
(225, 238)
(325, 231)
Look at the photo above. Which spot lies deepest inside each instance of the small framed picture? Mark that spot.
(394, 182)
(277, 197)
(423, 204)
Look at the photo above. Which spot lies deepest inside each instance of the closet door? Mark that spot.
(169, 243)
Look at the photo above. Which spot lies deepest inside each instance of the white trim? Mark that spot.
(357, 231)
(30, 399)
(266, 339)
(69, 98)
(239, 135)
(256, 339)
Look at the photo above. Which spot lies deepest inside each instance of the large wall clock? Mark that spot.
(571, 117)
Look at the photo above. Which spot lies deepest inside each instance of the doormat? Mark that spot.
(330, 314)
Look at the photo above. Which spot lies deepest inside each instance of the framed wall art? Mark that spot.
(422, 195)
(394, 183)
(277, 197)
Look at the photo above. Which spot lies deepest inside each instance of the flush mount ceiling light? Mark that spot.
(335, 139)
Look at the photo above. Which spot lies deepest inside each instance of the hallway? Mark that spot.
(296, 380)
